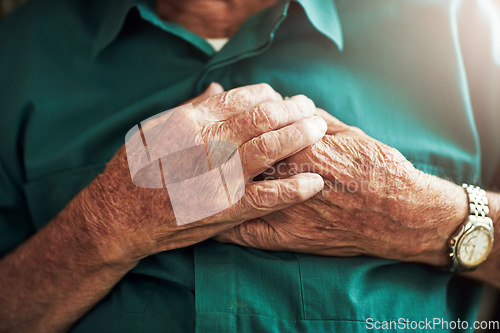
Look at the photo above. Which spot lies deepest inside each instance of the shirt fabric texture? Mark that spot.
(76, 75)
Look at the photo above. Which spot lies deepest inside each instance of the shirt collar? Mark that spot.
(322, 14)
(113, 21)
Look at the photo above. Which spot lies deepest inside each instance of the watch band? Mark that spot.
(478, 201)
(477, 220)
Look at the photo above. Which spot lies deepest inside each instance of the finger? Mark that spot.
(262, 198)
(233, 102)
(265, 117)
(335, 126)
(213, 88)
(265, 150)
(261, 233)
(255, 233)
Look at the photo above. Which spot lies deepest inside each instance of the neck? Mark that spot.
(210, 18)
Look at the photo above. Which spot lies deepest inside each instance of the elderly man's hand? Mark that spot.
(135, 222)
(374, 202)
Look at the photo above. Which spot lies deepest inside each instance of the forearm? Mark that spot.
(489, 271)
(56, 276)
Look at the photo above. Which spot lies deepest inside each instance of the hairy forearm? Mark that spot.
(489, 271)
(52, 279)
(56, 276)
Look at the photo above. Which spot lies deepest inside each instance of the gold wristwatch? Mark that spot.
(473, 243)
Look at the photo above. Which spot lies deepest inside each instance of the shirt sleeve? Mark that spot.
(479, 31)
(15, 219)
(15, 222)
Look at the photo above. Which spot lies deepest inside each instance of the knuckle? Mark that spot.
(303, 99)
(263, 150)
(245, 232)
(266, 90)
(265, 117)
(262, 197)
(213, 132)
(239, 97)
(304, 103)
(260, 151)
(289, 192)
(306, 132)
(268, 146)
(245, 97)
(265, 87)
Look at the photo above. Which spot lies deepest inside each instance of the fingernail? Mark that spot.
(320, 124)
(316, 181)
(316, 126)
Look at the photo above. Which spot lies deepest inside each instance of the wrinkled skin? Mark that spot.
(134, 222)
(374, 203)
(63, 270)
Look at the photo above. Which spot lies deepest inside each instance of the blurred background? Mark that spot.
(490, 307)
(8, 5)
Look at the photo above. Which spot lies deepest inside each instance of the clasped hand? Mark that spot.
(136, 222)
(339, 194)
(374, 202)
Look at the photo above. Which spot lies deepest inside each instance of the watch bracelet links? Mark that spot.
(478, 207)
(478, 201)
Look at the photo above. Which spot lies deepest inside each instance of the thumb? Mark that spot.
(213, 88)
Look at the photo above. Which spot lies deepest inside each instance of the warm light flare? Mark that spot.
(490, 9)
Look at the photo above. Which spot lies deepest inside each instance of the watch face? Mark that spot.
(474, 247)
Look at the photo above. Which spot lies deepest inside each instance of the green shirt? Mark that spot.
(76, 75)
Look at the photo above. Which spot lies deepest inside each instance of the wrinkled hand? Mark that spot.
(374, 203)
(138, 222)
